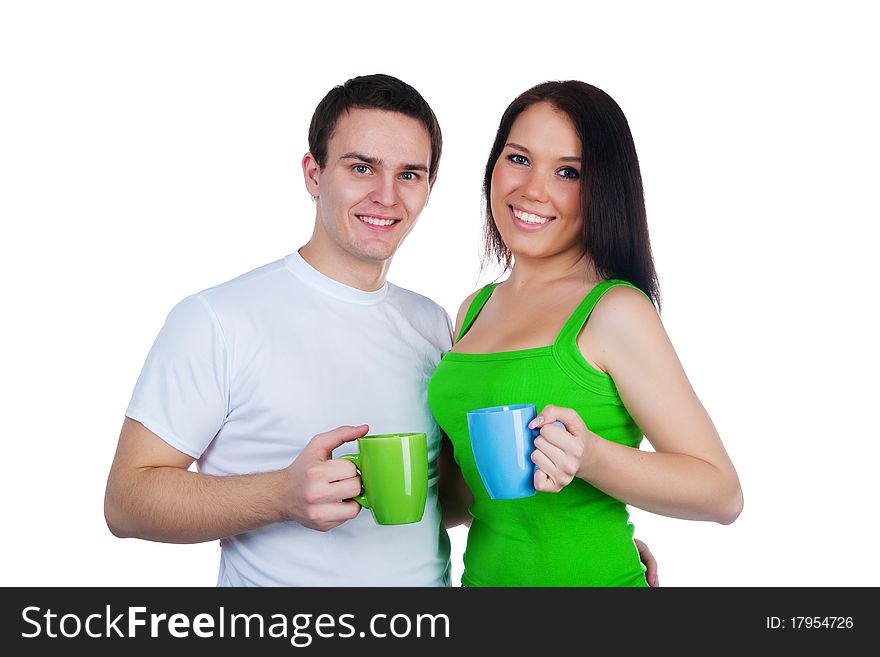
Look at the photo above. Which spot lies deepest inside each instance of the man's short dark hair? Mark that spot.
(379, 91)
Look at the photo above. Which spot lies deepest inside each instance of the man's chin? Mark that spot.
(376, 254)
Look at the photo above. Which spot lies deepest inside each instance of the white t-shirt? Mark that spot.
(244, 374)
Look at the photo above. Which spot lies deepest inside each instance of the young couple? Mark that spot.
(247, 377)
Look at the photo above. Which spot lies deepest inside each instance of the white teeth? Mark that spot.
(375, 221)
(529, 218)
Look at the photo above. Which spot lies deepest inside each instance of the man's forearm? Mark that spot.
(173, 505)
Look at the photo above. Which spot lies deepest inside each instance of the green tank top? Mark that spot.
(577, 537)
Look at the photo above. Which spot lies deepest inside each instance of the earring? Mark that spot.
(314, 198)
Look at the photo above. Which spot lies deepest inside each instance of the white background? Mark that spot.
(151, 149)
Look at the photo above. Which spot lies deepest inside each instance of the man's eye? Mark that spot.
(570, 173)
(409, 175)
(361, 168)
(516, 158)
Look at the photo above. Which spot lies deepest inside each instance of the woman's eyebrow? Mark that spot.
(520, 147)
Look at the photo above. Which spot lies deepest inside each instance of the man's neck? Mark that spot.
(344, 268)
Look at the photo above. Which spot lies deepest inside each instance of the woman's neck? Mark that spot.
(530, 273)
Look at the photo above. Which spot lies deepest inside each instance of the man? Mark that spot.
(248, 376)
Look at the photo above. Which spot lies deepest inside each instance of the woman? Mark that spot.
(575, 331)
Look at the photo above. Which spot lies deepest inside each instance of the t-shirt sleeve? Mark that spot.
(182, 392)
(449, 334)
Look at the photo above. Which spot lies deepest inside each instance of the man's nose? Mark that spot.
(385, 191)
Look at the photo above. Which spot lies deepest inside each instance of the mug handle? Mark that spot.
(362, 498)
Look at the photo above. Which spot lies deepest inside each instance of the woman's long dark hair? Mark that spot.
(615, 228)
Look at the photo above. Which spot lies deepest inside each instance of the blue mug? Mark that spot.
(502, 444)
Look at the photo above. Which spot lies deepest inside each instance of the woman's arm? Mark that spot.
(455, 496)
(690, 474)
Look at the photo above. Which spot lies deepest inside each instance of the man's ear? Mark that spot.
(311, 175)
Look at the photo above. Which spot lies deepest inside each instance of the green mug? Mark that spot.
(394, 476)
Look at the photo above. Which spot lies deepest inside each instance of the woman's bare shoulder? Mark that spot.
(623, 321)
(463, 308)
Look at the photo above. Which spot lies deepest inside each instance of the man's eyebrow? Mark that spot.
(354, 155)
(360, 156)
(520, 147)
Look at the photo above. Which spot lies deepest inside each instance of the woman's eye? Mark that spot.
(518, 159)
(570, 173)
